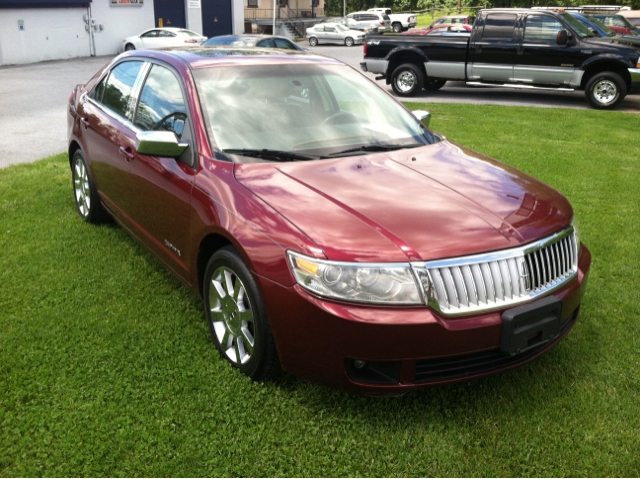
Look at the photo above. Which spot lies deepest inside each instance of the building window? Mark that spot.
(283, 3)
(315, 3)
(252, 3)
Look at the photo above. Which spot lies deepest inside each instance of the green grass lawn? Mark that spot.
(107, 369)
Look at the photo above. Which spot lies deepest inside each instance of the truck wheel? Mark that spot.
(407, 80)
(397, 27)
(432, 84)
(313, 41)
(605, 90)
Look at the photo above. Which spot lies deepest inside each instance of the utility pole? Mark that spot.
(344, 8)
(273, 28)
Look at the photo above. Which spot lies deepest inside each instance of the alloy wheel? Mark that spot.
(231, 315)
(605, 91)
(348, 42)
(406, 81)
(81, 188)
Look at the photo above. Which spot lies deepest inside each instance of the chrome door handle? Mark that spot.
(127, 152)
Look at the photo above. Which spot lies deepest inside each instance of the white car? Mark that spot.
(161, 38)
(375, 19)
(399, 21)
(334, 33)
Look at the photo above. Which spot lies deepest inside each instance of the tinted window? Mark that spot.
(152, 33)
(499, 26)
(265, 43)
(165, 34)
(280, 43)
(117, 92)
(98, 91)
(370, 18)
(386, 18)
(161, 105)
(542, 27)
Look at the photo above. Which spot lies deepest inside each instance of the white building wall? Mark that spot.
(194, 18)
(238, 16)
(119, 23)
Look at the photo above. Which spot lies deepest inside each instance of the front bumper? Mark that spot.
(635, 79)
(319, 340)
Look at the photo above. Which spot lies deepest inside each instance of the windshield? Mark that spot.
(231, 41)
(189, 33)
(304, 109)
(577, 26)
(601, 26)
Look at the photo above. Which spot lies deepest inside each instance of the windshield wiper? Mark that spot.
(377, 147)
(275, 155)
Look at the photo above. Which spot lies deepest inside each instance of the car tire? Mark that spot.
(397, 27)
(313, 41)
(84, 191)
(605, 90)
(407, 80)
(236, 316)
(348, 41)
(431, 84)
(129, 47)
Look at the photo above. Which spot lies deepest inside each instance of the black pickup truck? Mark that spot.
(517, 48)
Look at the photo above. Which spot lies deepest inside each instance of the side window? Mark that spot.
(162, 106)
(499, 26)
(151, 34)
(166, 34)
(541, 28)
(618, 22)
(330, 29)
(442, 21)
(436, 31)
(98, 90)
(118, 88)
(265, 43)
(457, 20)
(318, 29)
(280, 43)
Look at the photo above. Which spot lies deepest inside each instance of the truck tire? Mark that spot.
(397, 27)
(605, 90)
(432, 84)
(407, 80)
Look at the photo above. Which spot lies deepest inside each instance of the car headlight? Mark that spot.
(356, 282)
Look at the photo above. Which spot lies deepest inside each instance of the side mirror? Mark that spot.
(423, 116)
(562, 38)
(159, 143)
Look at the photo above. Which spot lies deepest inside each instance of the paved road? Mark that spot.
(33, 101)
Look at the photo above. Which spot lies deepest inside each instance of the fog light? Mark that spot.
(359, 363)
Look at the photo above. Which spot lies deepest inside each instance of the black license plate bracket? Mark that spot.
(531, 325)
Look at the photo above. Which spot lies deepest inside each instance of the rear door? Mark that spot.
(540, 58)
(493, 54)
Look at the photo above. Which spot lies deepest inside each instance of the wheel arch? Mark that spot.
(401, 55)
(73, 147)
(614, 64)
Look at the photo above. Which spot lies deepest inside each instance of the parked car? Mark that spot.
(399, 21)
(162, 38)
(334, 33)
(375, 19)
(351, 24)
(326, 228)
(633, 16)
(446, 29)
(600, 29)
(450, 19)
(549, 50)
(618, 23)
(267, 41)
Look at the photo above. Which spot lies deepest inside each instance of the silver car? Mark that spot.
(334, 33)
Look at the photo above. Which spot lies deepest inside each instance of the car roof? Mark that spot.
(251, 35)
(198, 57)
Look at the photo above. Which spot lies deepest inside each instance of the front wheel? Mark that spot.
(348, 41)
(605, 90)
(433, 84)
(397, 28)
(407, 80)
(85, 192)
(237, 317)
(313, 41)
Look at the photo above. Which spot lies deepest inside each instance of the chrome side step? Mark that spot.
(513, 85)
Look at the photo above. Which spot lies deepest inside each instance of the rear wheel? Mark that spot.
(348, 41)
(237, 317)
(432, 84)
(397, 27)
(129, 47)
(407, 80)
(313, 41)
(605, 90)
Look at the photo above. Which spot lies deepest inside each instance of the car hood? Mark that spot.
(427, 203)
(622, 40)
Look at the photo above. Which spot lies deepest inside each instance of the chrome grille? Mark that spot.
(494, 280)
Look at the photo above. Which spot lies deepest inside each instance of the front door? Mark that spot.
(217, 18)
(493, 54)
(170, 13)
(540, 58)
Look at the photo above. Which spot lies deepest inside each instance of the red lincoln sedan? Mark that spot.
(329, 232)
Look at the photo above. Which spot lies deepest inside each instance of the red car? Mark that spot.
(329, 232)
(447, 28)
(453, 19)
